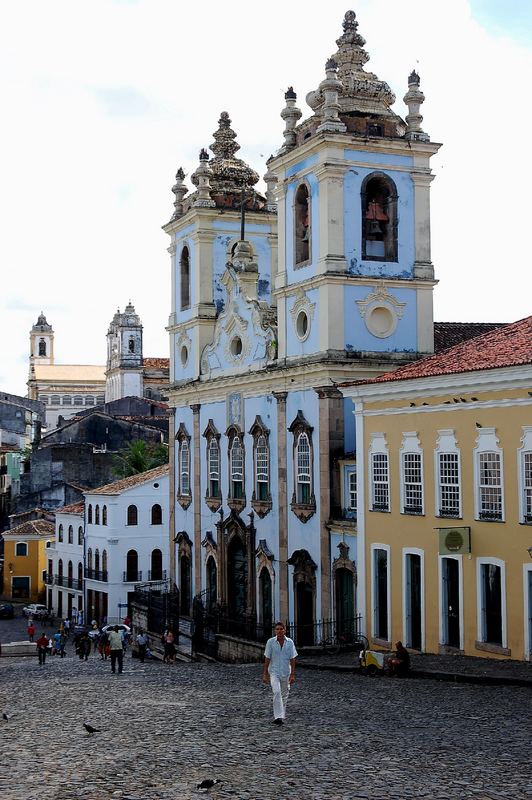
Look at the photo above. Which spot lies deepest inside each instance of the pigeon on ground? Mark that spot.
(90, 729)
(208, 783)
(5, 717)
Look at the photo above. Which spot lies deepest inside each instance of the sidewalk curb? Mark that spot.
(451, 677)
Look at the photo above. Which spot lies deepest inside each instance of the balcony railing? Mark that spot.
(49, 579)
(96, 574)
(132, 577)
(157, 575)
(69, 583)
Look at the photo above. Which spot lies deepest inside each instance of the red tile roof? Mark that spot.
(447, 334)
(35, 526)
(508, 346)
(73, 508)
(134, 480)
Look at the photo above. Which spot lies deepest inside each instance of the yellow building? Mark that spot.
(444, 455)
(26, 560)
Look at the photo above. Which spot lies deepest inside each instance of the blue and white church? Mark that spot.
(276, 299)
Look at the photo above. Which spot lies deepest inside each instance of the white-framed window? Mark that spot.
(352, 490)
(524, 455)
(411, 456)
(379, 473)
(489, 477)
(21, 549)
(447, 471)
(236, 467)
(213, 458)
(184, 467)
(491, 602)
(380, 592)
(303, 476)
(262, 468)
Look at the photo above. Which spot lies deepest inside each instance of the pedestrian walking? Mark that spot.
(142, 644)
(67, 627)
(279, 670)
(84, 647)
(31, 630)
(42, 647)
(116, 649)
(62, 645)
(57, 642)
(169, 647)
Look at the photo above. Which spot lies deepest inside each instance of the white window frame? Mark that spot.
(414, 551)
(411, 446)
(497, 562)
(236, 466)
(386, 547)
(214, 447)
(303, 476)
(262, 472)
(460, 596)
(352, 496)
(378, 446)
(21, 555)
(524, 450)
(446, 444)
(184, 467)
(487, 442)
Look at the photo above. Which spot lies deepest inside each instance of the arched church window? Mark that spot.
(303, 499)
(55, 400)
(67, 400)
(78, 401)
(302, 225)
(184, 268)
(131, 345)
(42, 347)
(261, 499)
(236, 495)
(213, 495)
(379, 218)
(89, 401)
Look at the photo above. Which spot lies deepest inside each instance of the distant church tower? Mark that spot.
(41, 342)
(124, 369)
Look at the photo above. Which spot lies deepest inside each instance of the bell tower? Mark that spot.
(124, 369)
(41, 342)
(353, 180)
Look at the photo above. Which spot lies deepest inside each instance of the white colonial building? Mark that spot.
(64, 574)
(126, 541)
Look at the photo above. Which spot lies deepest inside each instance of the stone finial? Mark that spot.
(350, 21)
(329, 88)
(224, 145)
(290, 114)
(180, 190)
(202, 179)
(413, 99)
(270, 179)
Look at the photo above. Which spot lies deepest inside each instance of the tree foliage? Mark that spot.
(139, 456)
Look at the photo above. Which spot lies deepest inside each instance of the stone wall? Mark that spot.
(238, 651)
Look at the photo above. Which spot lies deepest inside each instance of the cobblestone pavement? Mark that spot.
(165, 728)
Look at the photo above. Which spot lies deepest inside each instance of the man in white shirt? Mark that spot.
(279, 670)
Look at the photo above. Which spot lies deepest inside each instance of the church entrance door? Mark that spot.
(237, 569)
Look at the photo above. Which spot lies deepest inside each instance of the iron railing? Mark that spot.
(96, 574)
(157, 575)
(132, 577)
(326, 632)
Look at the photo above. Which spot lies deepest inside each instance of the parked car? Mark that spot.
(36, 610)
(7, 611)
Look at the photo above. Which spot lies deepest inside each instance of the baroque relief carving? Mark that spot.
(302, 305)
(381, 311)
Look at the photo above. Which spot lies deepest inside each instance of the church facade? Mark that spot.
(67, 389)
(275, 300)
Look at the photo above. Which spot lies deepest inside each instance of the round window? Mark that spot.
(184, 355)
(236, 347)
(302, 325)
(381, 322)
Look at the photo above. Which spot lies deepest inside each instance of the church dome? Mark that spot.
(42, 323)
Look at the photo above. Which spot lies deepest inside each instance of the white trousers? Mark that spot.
(280, 689)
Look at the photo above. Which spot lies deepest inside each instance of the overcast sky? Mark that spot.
(102, 100)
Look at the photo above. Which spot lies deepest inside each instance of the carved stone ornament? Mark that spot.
(381, 311)
(245, 333)
(182, 436)
(302, 304)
